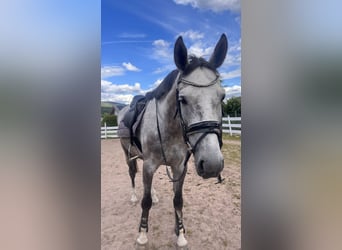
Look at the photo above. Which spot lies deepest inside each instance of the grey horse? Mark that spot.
(182, 116)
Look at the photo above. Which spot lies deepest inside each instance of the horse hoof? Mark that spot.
(182, 248)
(134, 200)
(141, 247)
(142, 239)
(155, 200)
(182, 243)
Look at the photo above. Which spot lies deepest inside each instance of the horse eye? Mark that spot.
(182, 100)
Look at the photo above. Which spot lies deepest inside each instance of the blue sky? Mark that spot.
(137, 39)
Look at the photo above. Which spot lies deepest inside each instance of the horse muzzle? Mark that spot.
(208, 169)
(205, 140)
(208, 158)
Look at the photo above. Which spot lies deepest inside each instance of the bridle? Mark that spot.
(203, 127)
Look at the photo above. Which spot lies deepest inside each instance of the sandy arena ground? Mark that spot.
(212, 213)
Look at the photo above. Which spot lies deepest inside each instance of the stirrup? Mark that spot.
(133, 158)
(129, 154)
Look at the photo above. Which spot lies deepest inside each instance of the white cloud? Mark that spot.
(162, 51)
(161, 43)
(231, 74)
(197, 45)
(214, 5)
(236, 47)
(109, 71)
(193, 35)
(233, 91)
(130, 67)
(200, 50)
(164, 69)
(125, 99)
(233, 57)
(232, 60)
(107, 86)
(123, 93)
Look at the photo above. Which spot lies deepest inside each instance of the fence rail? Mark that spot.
(230, 125)
(109, 132)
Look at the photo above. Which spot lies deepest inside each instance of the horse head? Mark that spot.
(199, 99)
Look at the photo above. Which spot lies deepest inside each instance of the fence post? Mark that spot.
(105, 130)
(230, 126)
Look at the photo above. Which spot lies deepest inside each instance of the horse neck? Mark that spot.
(167, 108)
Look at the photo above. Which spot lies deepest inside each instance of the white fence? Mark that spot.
(230, 125)
(109, 132)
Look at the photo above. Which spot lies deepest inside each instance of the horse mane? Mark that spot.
(165, 86)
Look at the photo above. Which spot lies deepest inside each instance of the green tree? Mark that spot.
(110, 120)
(232, 107)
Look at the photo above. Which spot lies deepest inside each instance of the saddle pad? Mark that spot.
(124, 131)
(137, 105)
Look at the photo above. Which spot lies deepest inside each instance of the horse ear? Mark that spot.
(220, 52)
(180, 54)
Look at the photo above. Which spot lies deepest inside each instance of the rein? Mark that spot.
(188, 154)
(204, 127)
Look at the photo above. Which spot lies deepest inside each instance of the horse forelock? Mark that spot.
(195, 62)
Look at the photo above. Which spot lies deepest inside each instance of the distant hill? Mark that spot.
(107, 107)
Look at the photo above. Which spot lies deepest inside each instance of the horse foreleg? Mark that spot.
(178, 205)
(146, 205)
(179, 227)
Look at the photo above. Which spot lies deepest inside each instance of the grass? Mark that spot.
(226, 136)
(232, 152)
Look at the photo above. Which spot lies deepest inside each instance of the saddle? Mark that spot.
(132, 118)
